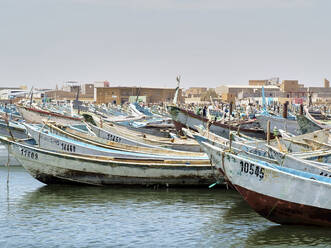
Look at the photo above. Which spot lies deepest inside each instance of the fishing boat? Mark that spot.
(34, 115)
(80, 136)
(306, 125)
(142, 140)
(61, 168)
(279, 194)
(316, 162)
(318, 119)
(278, 122)
(51, 141)
(184, 118)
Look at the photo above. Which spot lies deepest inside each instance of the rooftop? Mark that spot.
(252, 86)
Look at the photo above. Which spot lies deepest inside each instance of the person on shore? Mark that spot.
(204, 112)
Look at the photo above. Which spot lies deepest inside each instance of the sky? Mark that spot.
(148, 43)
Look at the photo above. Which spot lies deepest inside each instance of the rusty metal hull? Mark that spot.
(285, 212)
(52, 167)
(282, 195)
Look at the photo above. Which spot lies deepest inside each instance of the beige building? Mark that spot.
(67, 96)
(195, 91)
(120, 95)
(88, 89)
(257, 82)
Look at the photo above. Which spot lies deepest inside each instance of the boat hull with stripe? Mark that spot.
(54, 168)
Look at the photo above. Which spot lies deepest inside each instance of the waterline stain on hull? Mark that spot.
(285, 212)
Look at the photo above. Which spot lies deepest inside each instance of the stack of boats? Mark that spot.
(65, 150)
(286, 179)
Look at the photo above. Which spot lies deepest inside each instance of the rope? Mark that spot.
(8, 161)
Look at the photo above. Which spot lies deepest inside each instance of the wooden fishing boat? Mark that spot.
(304, 162)
(57, 168)
(51, 141)
(184, 118)
(279, 194)
(238, 148)
(120, 130)
(300, 143)
(176, 144)
(278, 122)
(239, 143)
(10, 129)
(100, 120)
(76, 135)
(34, 115)
(306, 125)
(322, 123)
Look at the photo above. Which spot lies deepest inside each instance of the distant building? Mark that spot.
(68, 96)
(271, 81)
(120, 95)
(88, 90)
(195, 91)
(326, 83)
(12, 93)
(193, 95)
(71, 86)
(257, 82)
(100, 84)
(229, 93)
(321, 94)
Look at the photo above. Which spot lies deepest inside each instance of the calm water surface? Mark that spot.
(35, 215)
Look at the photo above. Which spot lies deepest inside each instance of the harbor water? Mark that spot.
(35, 215)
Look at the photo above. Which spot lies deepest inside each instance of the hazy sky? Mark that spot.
(148, 43)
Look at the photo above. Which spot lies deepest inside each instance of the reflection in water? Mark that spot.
(293, 235)
(85, 216)
(56, 195)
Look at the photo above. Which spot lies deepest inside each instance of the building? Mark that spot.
(271, 81)
(229, 93)
(120, 95)
(88, 90)
(68, 96)
(100, 84)
(257, 82)
(193, 95)
(9, 93)
(195, 92)
(320, 94)
(71, 86)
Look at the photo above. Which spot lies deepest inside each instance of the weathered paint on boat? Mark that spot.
(54, 142)
(69, 133)
(184, 118)
(145, 142)
(33, 115)
(288, 125)
(53, 167)
(298, 163)
(306, 125)
(279, 194)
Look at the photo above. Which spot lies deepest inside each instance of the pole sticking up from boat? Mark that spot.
(268, 132)
(8, 162)
(301, 109)
(12, 136)
(31, 97)
(175, 101)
